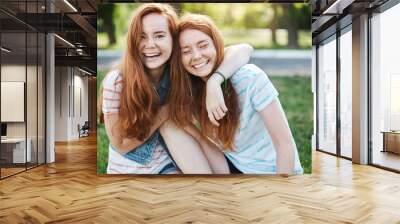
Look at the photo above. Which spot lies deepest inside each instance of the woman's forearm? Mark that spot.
(124, 145)
(128, 144)
(235, 57)
(278, 128)
(285, 158)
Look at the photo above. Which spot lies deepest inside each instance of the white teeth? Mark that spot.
(200, 65)
(152, 55)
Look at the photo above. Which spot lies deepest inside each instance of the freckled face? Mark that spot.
(156, 41)
(198, 52)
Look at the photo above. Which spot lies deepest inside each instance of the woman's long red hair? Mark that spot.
(196, 88)
(139, 102)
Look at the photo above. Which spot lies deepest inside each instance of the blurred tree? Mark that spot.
(291, 25)
(234, 19)
(228, 18)
(105, 15)
(194, 8)
(253, 17)
(296, 16)
(274, 23)
(177, 7)
(304, 16)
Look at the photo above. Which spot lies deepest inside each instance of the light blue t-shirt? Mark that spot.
(254, 150)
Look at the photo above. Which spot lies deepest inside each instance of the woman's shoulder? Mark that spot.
(251, 70)
(112, 78)
(247, 73)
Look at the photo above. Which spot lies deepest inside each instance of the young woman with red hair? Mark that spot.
(135, 98)
(253, 134)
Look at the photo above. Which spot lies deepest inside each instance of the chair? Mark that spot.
(84, 130)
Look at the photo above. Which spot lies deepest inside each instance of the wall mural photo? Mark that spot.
(194, 88)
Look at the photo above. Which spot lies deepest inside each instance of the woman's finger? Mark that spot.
(221, 113)
(217, 115)
(212, 119)
(223, 107)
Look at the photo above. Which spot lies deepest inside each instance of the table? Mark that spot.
(13, 150)
(391, 141)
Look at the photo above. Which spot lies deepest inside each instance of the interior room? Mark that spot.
(377, 102)
(48, 83)
(22, 97)
(49, 115)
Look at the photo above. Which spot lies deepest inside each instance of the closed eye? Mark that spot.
(186, 52)
(203, 45)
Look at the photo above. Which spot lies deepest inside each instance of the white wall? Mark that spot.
(69, 82)
(61, 103)
(17, 73)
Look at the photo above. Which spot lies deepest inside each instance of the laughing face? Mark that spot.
(156, 41)
(198, 52)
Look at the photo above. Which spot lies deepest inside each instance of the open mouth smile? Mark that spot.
(151, 55)
(201, 65)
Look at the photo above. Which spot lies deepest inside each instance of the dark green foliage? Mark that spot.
(297, 101)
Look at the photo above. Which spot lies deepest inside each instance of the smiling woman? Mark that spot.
(261, 143)
(155, 44)
(132, 104)
(198, 52)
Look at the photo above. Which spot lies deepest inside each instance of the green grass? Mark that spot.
(297, 101)
(102, 149)
(296, 98)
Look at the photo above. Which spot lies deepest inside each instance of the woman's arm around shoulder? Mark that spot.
(235, 57)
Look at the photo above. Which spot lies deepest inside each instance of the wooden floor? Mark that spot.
(10, 171)
(69, 191)
(388, 159)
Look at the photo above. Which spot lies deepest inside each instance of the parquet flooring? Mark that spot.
(9, 171)
(69, 191)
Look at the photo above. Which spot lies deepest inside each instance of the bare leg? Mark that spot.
(185, 150)
(216, 158)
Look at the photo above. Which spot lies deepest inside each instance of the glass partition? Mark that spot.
(346, 92)
(22, 87)
(14, 153)
(327, 96)
(385, 89)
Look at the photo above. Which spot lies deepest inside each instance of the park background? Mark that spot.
(279, 33)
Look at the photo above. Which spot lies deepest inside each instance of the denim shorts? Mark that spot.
(143, 154)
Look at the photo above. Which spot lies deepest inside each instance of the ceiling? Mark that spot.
(330, 15)
(74, 22)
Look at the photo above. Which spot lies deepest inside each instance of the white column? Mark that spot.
(314, 91)
(360, 90)
(50, 110)
(50, 93)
